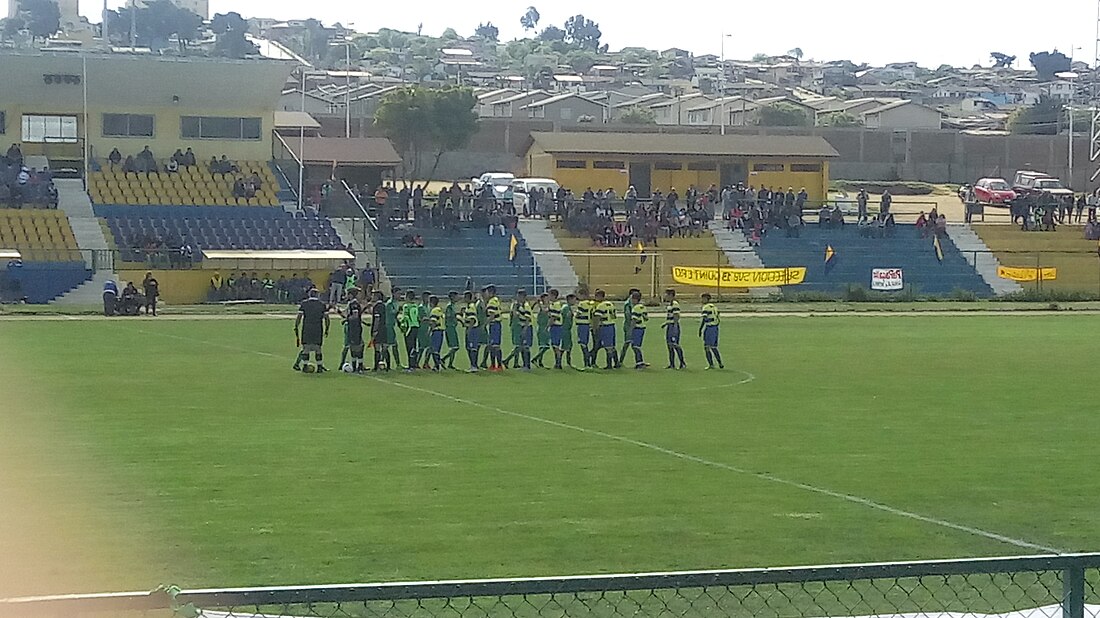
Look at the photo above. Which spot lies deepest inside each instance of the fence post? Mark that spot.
(718, 280)
(1073, 592)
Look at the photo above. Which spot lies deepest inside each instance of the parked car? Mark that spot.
(500, 181)
(995, 191)
(1031, 183)
(522, 186)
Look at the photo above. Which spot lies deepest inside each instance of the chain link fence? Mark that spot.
(1066, 586)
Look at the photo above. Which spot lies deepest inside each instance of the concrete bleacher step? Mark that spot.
(977, 254)
(555, 266)
(88, 293)
(74, 201)
(740, 253)
(365, 250)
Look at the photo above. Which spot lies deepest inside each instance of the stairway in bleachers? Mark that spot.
(448, 260)
(856, 257)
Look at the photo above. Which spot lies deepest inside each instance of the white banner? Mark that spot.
(887, 279)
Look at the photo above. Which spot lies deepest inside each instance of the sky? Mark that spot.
(930, 32)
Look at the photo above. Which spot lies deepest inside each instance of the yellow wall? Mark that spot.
(189, 287)
(166, 132)
(543, 165)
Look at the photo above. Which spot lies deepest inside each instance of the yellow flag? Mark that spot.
(513, 244)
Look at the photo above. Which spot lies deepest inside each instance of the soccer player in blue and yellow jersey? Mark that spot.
(542, 328)
(672, 330)
(583, 317)
(526, 330)
(471, 319)
(603, 323)
(437, 320)
(450, 322)
(639, 315)
(628, 322)
(708, 330)
(493, 313)
(556, 323)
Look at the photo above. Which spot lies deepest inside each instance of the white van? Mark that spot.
(522, 186)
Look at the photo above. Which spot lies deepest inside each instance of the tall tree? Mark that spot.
(581, 60)
(1039, 119)
(42, 17)
(839, 120)
(796, 53)
(582, 32)
(1047, 64)
(638, 115)
(551, 34)
(9, 28)
(230, 29)
(487, 31)
(317, 39)
(422, 121)
(1002, 61)
(530, 19)
(782, 114)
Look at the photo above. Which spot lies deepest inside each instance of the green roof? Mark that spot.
(607, 143)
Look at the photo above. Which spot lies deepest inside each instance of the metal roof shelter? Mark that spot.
(683, 145)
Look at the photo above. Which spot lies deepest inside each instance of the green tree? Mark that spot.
(42, 17)
(9, 28)
(551, 34)
(581, 60)
(582, 32)
(450, 35)
(230, 29)
(1047, 64)
(530, 19)
(160, 20)
(760, 58)
(421, 121)
(782, 114)
(796, 53)
(1043, 118)
(638, 115)
(839, 119)
(487, 31)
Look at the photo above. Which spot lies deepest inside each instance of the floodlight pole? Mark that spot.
(84, 87)
(302, 143)
(347, 89)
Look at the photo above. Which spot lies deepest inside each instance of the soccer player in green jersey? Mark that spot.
(424, 336)
(410, 318)
(672, 330)
(567, 329)
(526, 321)
(393, 309)
(515, 330)
(437, 321)
(483, 322)
(708, 330)
(450, 324)
(556, 322)
(542, 328)
(628, 323)
(471, 319)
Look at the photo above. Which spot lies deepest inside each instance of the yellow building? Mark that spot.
(650, 161)
(55, 103)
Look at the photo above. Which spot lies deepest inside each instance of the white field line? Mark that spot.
(853, 499)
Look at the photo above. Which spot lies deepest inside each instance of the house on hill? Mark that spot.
(903, 115)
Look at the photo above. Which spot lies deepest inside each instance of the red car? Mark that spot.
(993, 191)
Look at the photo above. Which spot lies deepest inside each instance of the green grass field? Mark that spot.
(143, 451)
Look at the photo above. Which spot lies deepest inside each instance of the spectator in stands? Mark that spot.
(15, 155)
(188, 159)
(214, 167)
(178, 157)
(129, 166)
(256, 182)
(172, 166)
(146, 161)
(861, 203)
(216, 291)
(885, 203)
(368, 278)
(922, 225)
(941, 226)
(239, 188)
(495, 222)
(114, 158)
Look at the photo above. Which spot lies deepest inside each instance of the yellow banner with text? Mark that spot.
(1027, 274)
(705, 276)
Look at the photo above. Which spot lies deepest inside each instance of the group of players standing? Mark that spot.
(430, 329)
